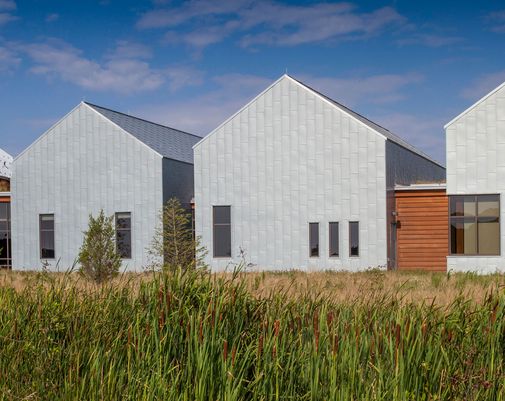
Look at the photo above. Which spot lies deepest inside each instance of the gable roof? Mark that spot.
(475, 104)
(363, 120)
(374, 126)
(5, 164)
(168, 142)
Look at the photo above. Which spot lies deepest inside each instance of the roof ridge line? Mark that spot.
(141, 119)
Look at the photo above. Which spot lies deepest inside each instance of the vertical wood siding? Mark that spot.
(422, 230)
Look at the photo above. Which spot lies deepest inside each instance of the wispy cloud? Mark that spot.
(281, 24)
(430, 40)
(8, 60)
(483, 85)
(52, 17)
(7, 7)
(123, 70)
(360, 90)
(497, 21)
(232, 91)
(424, 132)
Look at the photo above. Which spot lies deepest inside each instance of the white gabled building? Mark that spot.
(96, 158)
(476, 185)
(296, 180)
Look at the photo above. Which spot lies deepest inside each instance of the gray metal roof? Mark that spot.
(376, 127)
(169, 142)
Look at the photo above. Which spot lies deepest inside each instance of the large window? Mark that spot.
(5, 235)
(314, 239)
(475, 224)
(222, 231)
(46, 227)
(334, 239)
(353, 238)
(124, 235)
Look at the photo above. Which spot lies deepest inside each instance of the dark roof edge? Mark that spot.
(416, 152)
(142, 119)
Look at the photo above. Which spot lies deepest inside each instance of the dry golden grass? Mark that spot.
(439, 288)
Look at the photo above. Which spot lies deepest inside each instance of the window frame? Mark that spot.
(350, 244)
(123, 229)
(214, 224)
(318, 240)
(46, 230)
(330, 238)
(476, 221)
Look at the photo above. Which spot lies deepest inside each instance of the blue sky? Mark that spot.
(410, 66)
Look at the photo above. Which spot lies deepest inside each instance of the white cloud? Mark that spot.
(52, 17)
(430, 40)
(8, 60)
(497, 21)
(123, 70)
(235, 90)
(7, 5)
(483, 85)
(426, 133)
(281, 24)
(6, 9)
(359, 90)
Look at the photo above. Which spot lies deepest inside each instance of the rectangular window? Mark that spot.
(334, 240)
(5, 235)
(222, 231)
(353, 238)
(46, 227)
(314, 239)
(124, 235)
(475, 224)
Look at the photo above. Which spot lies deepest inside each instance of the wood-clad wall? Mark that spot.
(422, 230)
(4, 185)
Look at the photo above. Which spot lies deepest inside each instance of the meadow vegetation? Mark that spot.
(252, 336)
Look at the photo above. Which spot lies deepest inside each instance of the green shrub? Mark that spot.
(98, 257)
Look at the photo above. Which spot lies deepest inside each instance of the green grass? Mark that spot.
(195, 337)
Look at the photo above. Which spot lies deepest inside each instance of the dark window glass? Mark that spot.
(334, 239)
(314, 239)
(222, 231)
(475, 224)
(353, 238)
(5, 235)
(124, 235)
(46, 224)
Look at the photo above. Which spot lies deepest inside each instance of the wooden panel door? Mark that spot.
(422, 230)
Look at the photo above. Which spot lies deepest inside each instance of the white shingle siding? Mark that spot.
(476, 165)
(81, 165)
(287, 159)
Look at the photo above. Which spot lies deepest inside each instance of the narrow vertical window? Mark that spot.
(222, 231)
(353, 238)
(46, 235)
(124, 235)
(334, 239)
(314, 239)
(5, 235)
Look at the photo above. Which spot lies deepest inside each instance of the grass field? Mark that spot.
(254, 336)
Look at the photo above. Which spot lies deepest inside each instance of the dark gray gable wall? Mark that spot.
(178, 181)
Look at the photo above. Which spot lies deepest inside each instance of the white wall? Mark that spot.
(287, 159)
(476, 165)
(82, 164)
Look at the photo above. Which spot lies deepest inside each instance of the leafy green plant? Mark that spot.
(174, 245)
(98, 257)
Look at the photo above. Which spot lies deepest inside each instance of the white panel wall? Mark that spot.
(83, 164)
(288, 159)
(476, 165)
